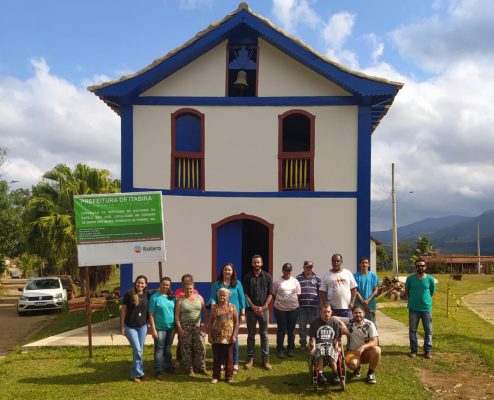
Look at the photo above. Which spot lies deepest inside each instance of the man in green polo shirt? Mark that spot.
(419, 288)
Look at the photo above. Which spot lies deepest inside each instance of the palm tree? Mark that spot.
(52, 234)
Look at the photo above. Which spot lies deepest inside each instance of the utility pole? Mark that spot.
(395, 228)
(478, 246)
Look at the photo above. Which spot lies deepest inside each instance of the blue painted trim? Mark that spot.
(363, 182)
(248, 101)
(127, 149)
(126, 280)
(294, 194)
(354, 83)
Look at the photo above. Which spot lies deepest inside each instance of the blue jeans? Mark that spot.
(163, 350)
(342, 312)
(252, 319)
(413, 322)
(305, 316)
(137, 337)
(286, 321)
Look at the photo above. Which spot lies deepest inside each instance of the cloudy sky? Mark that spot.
(439, 132)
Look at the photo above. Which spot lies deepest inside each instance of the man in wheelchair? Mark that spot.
(325, 344)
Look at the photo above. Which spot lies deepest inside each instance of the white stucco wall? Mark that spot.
(278, 75)
(152, 143)
(281, 75)
(303, 229)
(241, 147)
(204, 76)
(336, 148)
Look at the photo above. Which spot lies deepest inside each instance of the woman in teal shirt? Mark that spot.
(228, 279)
(162, 324)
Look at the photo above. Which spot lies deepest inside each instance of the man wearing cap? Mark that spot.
(419, 288)
(338, 288)
(308, 300)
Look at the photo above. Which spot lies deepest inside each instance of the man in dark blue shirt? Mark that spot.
(257, 288)
(308, 300)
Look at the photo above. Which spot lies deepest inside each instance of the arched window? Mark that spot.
(296, 151)
(187, 163)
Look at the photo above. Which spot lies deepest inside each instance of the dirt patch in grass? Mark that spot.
(456, 376)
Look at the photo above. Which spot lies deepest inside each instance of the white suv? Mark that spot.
(46, 293)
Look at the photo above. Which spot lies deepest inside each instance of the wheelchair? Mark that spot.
(325, 350)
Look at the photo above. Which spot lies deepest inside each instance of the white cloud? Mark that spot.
(377, 46)
(439, 133)
(460, 29)
(46, 120)
(338, 29)
(292, 13)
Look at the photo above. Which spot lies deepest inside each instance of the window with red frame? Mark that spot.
(296, 151)
(187, 163)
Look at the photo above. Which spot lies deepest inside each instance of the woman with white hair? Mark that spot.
(223, 329)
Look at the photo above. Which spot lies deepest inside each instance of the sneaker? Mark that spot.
(190, 373)
(336, 379)
(144, 378)
(267, 365)
(213, 381)
(203, 371)
(428, 355)
(412, 354)
(230, 381)
(249, 364)
(371, 378)
(280, 354)
(290, 353)
(160, 376)
(321, 379)
(356, 373)
(136, 380)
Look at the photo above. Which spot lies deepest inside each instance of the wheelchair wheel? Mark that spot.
(313, 373)
(341, 369)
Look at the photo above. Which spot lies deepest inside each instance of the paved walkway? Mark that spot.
(481, 303)
(107, 333)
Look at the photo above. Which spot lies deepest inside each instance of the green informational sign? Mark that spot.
(124, 227)
(122, 217)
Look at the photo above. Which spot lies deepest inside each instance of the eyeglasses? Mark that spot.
(420, 265)
(308, 266)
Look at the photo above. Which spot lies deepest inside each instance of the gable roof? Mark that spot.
(378, 92)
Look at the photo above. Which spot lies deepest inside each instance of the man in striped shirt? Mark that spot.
(308, 300)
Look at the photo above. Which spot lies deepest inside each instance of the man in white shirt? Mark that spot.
(338, 288)
(363, 344)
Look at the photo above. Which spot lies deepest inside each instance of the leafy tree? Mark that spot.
(405, 252)
(423, 247)
(12, 206)
(52, 234)
(29, 263)
(382, 257)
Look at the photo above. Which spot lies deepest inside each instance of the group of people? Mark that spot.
(338, 303)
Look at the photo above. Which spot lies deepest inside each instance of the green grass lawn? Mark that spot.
(67, 373)
(462, 342)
